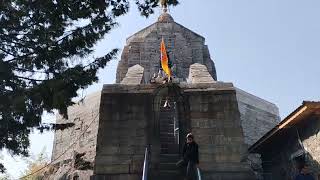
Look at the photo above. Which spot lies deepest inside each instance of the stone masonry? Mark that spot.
(78, 141)
(184, 48)
(199, 74)
(258, 116)
(113, 127)
(134, 75)
(210, 111)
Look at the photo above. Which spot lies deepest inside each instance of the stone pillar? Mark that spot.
(215, 122)
(122, 134)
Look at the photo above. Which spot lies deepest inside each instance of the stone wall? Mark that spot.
(127, 125)
(311, 143)
(122, 133)
(74, 148)
(215, 122)
(258, 116)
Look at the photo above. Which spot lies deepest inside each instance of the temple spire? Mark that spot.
(165, 16)
(164, 5)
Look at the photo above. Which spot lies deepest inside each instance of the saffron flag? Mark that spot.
(164, 59)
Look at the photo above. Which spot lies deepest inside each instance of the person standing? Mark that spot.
(190, 156)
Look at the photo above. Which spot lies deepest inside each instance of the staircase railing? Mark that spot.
(198, 174)
(146, 163)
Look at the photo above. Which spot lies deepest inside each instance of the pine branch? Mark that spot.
(30, 79)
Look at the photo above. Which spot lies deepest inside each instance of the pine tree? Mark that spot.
(43, 44)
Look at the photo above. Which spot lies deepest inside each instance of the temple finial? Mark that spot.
(164, 5)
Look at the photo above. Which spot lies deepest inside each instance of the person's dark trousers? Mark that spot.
(191, 171)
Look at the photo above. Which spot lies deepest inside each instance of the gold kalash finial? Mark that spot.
(164, 5)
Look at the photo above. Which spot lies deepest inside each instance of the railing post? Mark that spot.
(198, 173)
(146, 164)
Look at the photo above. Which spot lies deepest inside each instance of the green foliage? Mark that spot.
(146, 7)
(43, 44)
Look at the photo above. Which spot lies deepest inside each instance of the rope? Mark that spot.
(77, 139)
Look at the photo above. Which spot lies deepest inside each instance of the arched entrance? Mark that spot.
(170, 122)
(170, 127)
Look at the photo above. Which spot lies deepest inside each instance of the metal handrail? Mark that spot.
(145, 164)
(198, 174)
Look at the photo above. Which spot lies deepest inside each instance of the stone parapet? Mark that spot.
(199, 74)
(134, 75)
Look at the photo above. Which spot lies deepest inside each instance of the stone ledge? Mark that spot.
(149, 88)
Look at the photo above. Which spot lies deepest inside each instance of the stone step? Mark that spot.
(167, 134)
(171, 113)
(162, 125)
(169, 145)
(167, 140)
(168, 175)
(167, 128)
(169, 161)
(168, 166)
(166, 113)
(166, 137)
(166, 110)
(168, 151)
(169, 158)
(166, 116)
(166, 121)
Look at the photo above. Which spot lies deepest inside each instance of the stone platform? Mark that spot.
(129, 121)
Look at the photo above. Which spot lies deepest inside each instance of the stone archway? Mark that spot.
(169, 127)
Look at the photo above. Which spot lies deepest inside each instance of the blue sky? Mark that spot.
(270, 48)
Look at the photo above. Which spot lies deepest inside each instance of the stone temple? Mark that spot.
(113, 127)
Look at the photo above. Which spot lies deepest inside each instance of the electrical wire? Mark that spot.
(77, 139)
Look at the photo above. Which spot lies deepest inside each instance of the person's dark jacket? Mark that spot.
(190, 152)
(304, 177)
